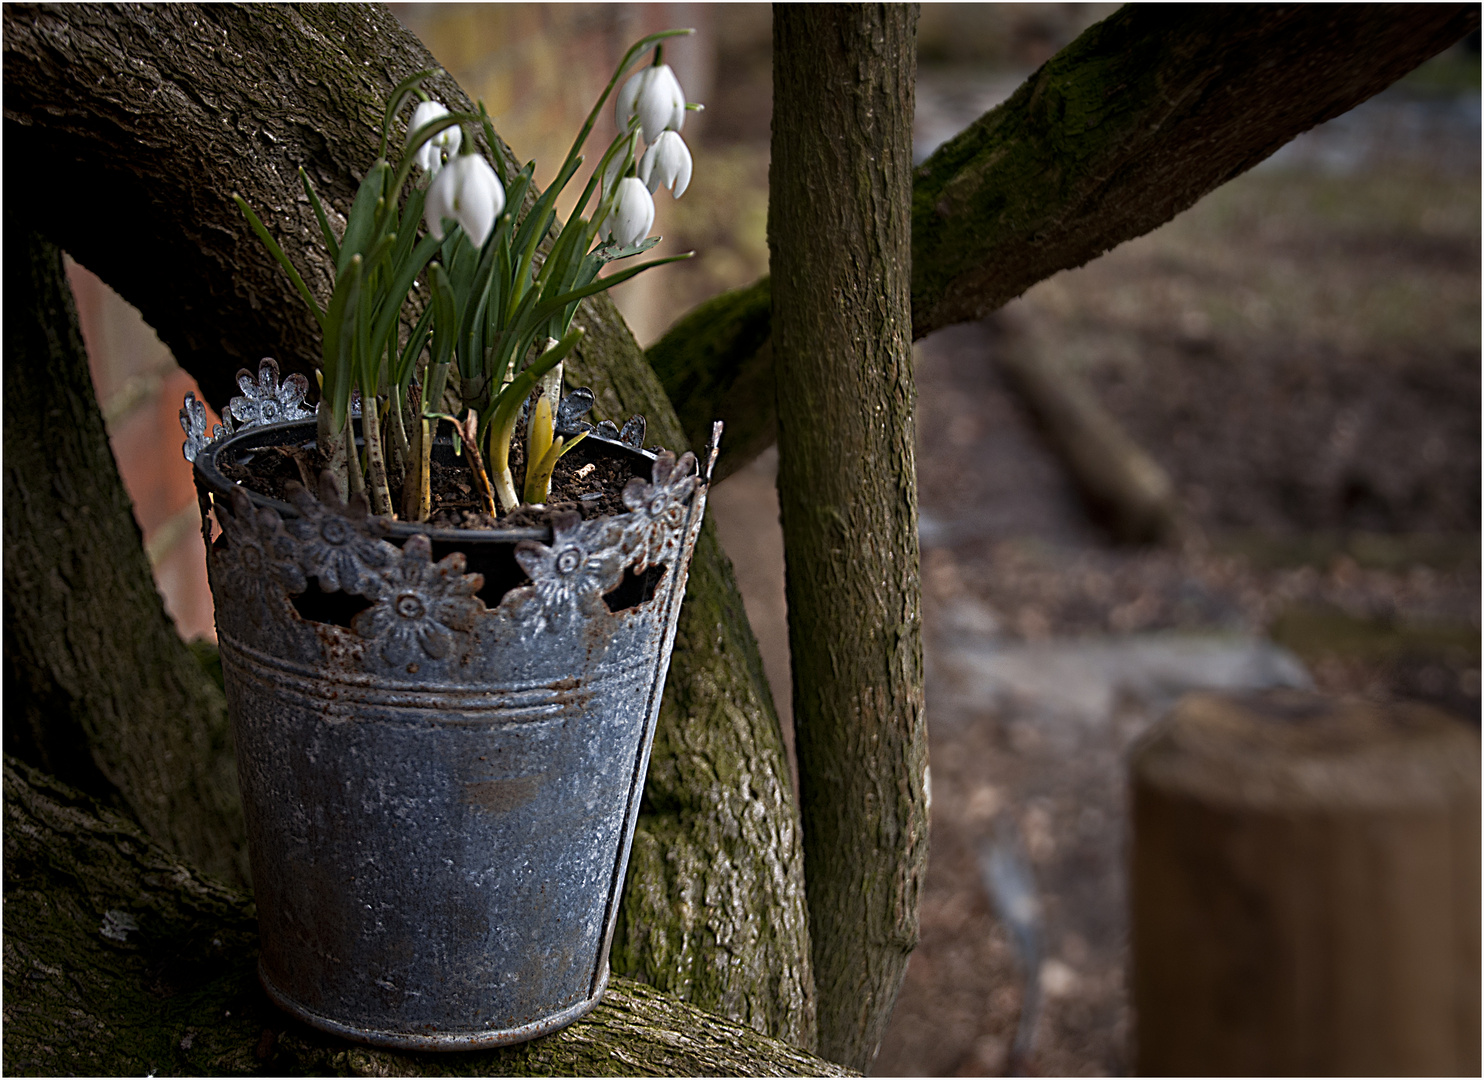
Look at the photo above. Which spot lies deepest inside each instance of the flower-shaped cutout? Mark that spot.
(266, 401)
(258, 564)
(584, 561)
(340, 543)
(659, 509)
(424, 605)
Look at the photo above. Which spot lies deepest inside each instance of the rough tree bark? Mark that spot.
(120, 960)
(1133, 122)
(839, 238)
(161, 113)
(117, 707)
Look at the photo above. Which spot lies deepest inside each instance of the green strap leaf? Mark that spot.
(394, 102)
(551, 307)
(337, 358)
(277, 253)
(360, 225)
(331, 244)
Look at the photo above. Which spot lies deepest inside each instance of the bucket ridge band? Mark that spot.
(533, 700)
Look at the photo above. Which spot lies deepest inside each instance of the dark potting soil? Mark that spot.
(582, 482)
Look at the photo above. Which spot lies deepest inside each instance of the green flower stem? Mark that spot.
(331, 442)
(401, 448)
(537, 432)
(381, 498)
(352, 458)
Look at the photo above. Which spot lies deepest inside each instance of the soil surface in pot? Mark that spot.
(583, 481)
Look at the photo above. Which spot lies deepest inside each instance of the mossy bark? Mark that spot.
(148, 119)
(839, 238)
(99, 688)
(1133, 122)
(716, 364)
(120, 960)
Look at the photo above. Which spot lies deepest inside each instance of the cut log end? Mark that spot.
(1305, 888)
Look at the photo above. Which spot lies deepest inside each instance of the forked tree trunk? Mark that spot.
(128, 129)
(839, 237)
(99, 688)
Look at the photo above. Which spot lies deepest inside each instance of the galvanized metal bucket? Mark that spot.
(442, 738)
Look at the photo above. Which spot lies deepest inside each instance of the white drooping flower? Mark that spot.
(666, 164)
(632, 214)
(654, 95)
(468, 191)
(431, 153)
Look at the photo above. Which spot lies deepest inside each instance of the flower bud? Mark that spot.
(654, 95)
(468, 191)
(666, 163)
(632, 214)
(431, 153)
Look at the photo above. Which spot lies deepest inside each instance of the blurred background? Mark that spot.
(1299, 353)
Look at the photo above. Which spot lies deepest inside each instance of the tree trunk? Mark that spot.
(839, 238)
(1132, 123)
(138, 124)
(99, 688)
(1305, 889)
(120, 960)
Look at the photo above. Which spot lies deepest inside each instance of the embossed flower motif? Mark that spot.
(423, 604)
(340, 543)
(584, 561)
(659, 509)
(258, 565)
(266, 401)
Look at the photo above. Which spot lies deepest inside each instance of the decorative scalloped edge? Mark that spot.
(419, 607)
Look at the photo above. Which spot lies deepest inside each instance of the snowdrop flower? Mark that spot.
(632, 214)
(654, 95)
(468, 191)
(430, 154)
(666, 164)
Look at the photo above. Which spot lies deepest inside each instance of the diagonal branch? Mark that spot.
(1135, 121)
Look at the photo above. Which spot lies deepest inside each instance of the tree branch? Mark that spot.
(1135, 121)
(99, 687)
(121, 961)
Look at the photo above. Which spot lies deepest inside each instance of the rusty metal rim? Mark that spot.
(441, 1041)
(303, 432)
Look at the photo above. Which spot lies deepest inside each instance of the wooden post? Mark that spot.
(1305, 889)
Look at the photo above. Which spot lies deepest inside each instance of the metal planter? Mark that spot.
(442, 738)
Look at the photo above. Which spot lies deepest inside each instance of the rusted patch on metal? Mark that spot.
(502, 794)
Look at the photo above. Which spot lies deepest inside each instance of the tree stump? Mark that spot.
(1305, 889)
